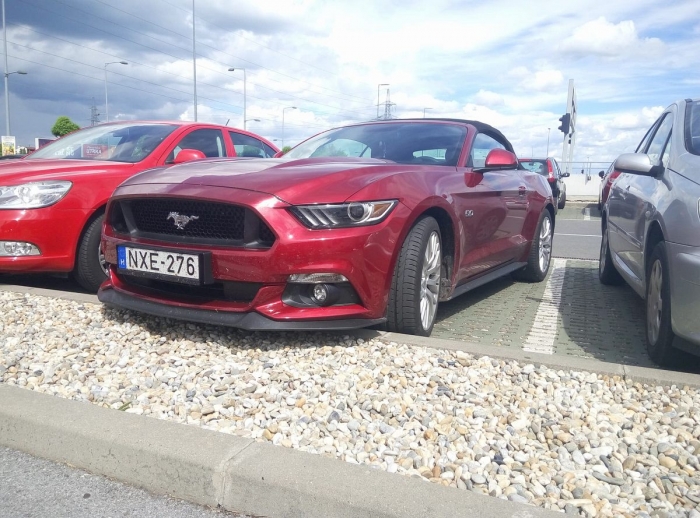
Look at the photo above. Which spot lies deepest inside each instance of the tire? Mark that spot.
(89, 271)
(540, 256)
(607, 273)
(413, 300)
(659, 332)
(562, 200)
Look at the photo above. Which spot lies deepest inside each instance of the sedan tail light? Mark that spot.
(550, 171)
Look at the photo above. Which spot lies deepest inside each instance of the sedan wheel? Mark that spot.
(654, 302)
(540, 252)
(545, 252)
(607, 273)
(415, 285)
(90, 265)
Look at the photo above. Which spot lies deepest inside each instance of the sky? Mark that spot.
(504, 62)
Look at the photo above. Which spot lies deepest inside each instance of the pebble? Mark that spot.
(587, 444)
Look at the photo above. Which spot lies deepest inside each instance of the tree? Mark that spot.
(63, 126)
(286, 149)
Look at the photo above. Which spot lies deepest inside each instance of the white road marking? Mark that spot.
(587, 214)
(579, 235)
(544, 327)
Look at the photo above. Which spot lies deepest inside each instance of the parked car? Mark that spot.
(549, 168)
(607, 179)
(12, 157)
(368, 224)
(651, 231)
(52, 202)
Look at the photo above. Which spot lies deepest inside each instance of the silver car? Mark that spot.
(651, 231)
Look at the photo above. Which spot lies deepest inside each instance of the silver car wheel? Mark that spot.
(545, 244)
(603, 250)
(654, 302)
(430, 281)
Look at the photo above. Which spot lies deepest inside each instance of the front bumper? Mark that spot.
(684, 263)
(363, 255)
(248, 321)
(54, 231)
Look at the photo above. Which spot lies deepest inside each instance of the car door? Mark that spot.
(491, 207)
(209, 141)
(248, 146)
(631, 203)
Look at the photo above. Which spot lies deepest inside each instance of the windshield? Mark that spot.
(536, 166)
(113, 142)
(402, 142)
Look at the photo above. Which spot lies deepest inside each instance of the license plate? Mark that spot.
(159, 264)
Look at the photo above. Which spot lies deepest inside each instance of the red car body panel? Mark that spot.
(491, 217)
(56, 229)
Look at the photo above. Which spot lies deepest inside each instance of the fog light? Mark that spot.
(320, 294)
(18, 249)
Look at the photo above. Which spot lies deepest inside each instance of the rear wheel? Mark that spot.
(607, 273)
(415, 285)
(90, 265)
(540, 252)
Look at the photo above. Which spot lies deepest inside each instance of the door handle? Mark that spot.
(627, 188)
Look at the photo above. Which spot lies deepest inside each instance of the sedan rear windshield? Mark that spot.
(113, 142)
(692, 127)
(536, 166)
(402, 142)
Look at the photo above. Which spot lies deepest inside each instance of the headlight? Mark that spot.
(33, 195)
(354, 214)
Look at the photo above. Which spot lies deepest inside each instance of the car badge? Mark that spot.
(180, 220)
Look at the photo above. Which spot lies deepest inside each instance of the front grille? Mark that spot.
(190, 221)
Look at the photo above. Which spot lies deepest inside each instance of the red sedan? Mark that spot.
(52, 203)
(362, 225)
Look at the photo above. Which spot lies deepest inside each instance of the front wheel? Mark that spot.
(658, 301)
(90, 266)
(607, 273)
(540, 251)
(562, 200)
(415, 285)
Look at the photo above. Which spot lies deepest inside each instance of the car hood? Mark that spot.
(309, 180)
(13, 172)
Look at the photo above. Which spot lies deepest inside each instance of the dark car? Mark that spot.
(651, 231)
(549, 168)
(367, 224)
(52, 202)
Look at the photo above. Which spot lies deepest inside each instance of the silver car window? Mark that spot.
(658, 142)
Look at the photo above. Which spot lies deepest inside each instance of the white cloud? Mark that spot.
(488, 98)
(603, 38)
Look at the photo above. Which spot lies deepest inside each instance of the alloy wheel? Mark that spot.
(654, 302)
(101, 261)
(545, 251)
(430, 281)
(603, 250)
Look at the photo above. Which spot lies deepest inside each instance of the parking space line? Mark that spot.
(587, 213)
(544, 327)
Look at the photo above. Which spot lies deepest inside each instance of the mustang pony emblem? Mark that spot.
(179, 220)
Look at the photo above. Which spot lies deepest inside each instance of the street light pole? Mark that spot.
(283, 110)
(7, 88)
(378, 87)
(244, 93)
(106, 102)
(548, 141)
(7, 99)
(424, 111)
(194, 64)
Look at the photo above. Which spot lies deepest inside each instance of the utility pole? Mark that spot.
(94, 114)
(388, 105)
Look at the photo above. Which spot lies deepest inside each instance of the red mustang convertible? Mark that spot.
(368, 224)
(52, 203)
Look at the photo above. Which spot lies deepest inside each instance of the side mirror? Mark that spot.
(187, 155)
(601, 174)
(638, 163)
(565, 175)
(498, 159)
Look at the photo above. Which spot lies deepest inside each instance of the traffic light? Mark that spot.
(565, 123)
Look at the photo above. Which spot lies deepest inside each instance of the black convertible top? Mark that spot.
(481, 127)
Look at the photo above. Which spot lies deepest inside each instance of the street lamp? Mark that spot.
(244, 93)
(106, 103)
(255, 120)
(378, 87)
(424, 111)
(7, 98)
(548, 141)
(283, 110)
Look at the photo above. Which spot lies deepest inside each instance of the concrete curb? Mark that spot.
(216, 469)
